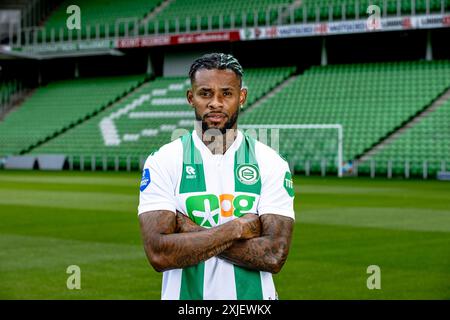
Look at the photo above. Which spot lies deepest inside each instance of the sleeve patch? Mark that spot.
(288, 184)
(145, 179)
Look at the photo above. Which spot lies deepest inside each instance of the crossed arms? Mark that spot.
(173, 241)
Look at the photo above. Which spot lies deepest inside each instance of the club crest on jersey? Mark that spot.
(145, 179)
(247, 174)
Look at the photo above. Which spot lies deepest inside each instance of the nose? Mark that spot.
(216, 102)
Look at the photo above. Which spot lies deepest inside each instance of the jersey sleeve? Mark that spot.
(157, 190)
(277, 191)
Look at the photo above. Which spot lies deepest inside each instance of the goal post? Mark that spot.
(337, 127)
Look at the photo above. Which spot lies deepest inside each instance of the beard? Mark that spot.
(228, 125)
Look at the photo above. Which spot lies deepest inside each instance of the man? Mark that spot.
(216, 206)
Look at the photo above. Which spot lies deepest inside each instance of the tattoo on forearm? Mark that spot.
(266, 253)
(185, 224)
(179, 242)
(166, 249)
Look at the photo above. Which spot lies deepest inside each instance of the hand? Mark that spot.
(251, 226)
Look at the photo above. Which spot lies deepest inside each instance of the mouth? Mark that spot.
(215, 117)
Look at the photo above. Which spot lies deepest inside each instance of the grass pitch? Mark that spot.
(49, 221)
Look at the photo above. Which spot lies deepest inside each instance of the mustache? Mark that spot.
(213, 113)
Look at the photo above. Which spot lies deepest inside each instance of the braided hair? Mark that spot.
(220, 61)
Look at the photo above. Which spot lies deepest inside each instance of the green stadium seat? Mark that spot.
(68, 102)
(427, 141)
(99, 12)
(369, 100)
(104, 13)
(150, 133)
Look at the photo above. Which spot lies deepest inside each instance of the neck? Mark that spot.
(217, 142)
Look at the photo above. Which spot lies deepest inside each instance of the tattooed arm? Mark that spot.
(167, 249)
(265, 253)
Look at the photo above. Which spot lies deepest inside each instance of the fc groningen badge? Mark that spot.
(247, 174)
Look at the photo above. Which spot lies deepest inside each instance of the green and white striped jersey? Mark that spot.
(213, 189)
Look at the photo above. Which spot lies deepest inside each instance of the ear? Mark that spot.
(243, 96)
(190, 97)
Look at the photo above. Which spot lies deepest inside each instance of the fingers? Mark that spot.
(251, 227)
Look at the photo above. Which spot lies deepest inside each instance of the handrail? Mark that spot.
(134, 26)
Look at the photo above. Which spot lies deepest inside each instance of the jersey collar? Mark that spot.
(200, 145)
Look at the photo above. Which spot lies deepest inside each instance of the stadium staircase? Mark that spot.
(9, 91)
(420, 148)
(272, 93)
(208, 13)
(14, 101)
(151, 15)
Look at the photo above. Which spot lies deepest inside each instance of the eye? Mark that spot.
(227, 93)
